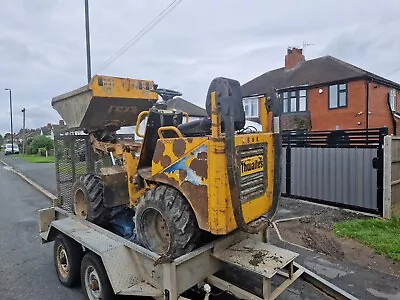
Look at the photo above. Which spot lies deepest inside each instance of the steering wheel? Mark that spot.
(167, 94)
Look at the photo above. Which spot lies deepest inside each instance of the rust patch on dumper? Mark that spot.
(179, 147)
(165, 161)
(158, 154)
(182, 175)
(200, 167)
(202, 155)
(197, 195)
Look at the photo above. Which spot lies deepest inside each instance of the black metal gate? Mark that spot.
(340, 168)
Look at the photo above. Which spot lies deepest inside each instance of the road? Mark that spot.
(26, 266)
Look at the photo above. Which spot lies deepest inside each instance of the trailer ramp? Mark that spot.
(267, 261)
(262, 259)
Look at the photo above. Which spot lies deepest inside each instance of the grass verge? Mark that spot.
(36, 158)
(381, 235)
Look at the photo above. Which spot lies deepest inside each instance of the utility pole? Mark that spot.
(11, 121)
(88, 59)
(23, 130)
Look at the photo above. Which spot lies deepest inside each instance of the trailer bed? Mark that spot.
(136, 271)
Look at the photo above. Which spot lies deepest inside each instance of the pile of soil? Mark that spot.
(316, 232)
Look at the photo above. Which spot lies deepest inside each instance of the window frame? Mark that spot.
(249, 102)
(338, 92)
(289, 101)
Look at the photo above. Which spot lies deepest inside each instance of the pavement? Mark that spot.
(27, 271)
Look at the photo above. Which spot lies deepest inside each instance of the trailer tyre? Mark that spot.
(67, 258)
(88, 192)
(94, 279)
(165, 222)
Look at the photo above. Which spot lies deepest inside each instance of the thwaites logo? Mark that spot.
(250, 165)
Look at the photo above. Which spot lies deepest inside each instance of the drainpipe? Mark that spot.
(367, 106)
(392, 115)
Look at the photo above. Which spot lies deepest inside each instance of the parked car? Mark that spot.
(8, 149)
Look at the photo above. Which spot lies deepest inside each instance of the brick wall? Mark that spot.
(379, 113)
(323, 118)
(354, 115)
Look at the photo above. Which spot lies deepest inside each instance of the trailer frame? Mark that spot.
(132, 269)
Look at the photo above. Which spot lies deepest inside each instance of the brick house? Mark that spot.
(326, 94)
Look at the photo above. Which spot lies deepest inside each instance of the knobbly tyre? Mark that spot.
(162, 216)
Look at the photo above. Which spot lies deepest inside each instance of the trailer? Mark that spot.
(101, 259)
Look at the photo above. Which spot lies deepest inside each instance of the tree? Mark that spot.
(41, 141)
(1, 140)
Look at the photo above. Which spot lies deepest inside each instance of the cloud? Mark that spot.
(42, 44)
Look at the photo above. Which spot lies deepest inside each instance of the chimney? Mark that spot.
(61, 123)
(49, 125)
(293, 57)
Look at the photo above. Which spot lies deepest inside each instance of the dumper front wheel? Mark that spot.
(88, 193)
(165, 222)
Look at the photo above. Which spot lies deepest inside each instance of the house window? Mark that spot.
(294, 101)
(393, 98)
(337, 95)
(251, 107)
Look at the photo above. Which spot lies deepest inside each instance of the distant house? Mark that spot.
(326, 94)
(194, 111)
(46, 130)
(50, 130)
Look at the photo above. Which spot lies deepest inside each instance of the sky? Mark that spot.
(42, 44)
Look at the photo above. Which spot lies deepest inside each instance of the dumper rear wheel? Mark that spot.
(88, 193)
(165, 222)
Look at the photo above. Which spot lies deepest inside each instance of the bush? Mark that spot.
(41, 142)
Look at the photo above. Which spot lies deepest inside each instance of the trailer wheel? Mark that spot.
(94, 279)
(88, 193)
(165, 222)
(67, 259)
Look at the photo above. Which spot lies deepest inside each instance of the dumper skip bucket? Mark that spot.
(106, 102)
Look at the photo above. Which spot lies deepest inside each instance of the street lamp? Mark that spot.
(88, 59)
(11, 118)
